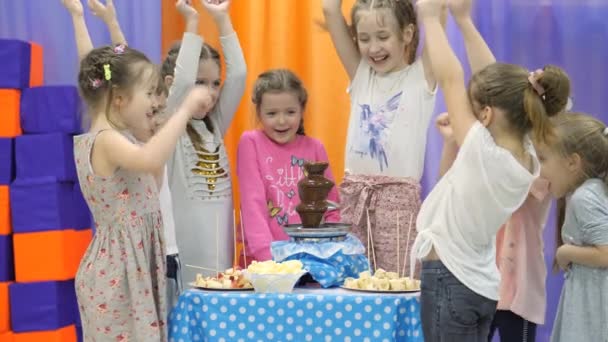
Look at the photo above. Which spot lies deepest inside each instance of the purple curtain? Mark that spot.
(48, 23)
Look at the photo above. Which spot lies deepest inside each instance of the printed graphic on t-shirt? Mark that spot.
(374, 130)
(284, 182)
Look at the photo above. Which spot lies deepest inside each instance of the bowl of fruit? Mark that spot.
(272, 277)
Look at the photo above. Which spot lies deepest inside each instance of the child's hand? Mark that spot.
(430, 8)
(106, 12)
(186, 10)
(560, 256)
(216, 7)
(444, 127)
(74, 7)
(460, 8)
(198, 101)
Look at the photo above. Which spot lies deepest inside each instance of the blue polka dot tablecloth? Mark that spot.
(304, 315)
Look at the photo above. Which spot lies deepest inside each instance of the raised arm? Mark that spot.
(256, 221)
(115, 151)
(341, 36)
(186, 64)
(107, 13)
(233, 87)
(478, 52)
(450, 148)
(446, 68)
(431, 81)
(84, 45)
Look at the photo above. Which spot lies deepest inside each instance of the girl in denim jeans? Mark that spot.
(493, 170)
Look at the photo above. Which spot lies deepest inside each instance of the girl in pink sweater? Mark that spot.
(270, 162)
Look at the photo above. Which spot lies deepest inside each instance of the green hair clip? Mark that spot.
(107, 72)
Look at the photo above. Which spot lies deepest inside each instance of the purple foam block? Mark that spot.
(43, 204)
(15, 59)
(50, 109)
(79, 333)
(7, 164)
(42, 306)
(45, 155)
(85, 218)
(7, 269)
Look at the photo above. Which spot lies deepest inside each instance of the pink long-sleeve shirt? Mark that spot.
(268, 176)
(520, 258)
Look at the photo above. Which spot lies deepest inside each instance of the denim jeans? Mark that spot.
(450, 311)
(174, 280)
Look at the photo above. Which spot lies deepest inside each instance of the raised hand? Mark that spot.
(430, 8)
(106, 12)
(460, 8)
(216, 7)
(444, 127)
(73, 6)
(185, 8)
(198, 101)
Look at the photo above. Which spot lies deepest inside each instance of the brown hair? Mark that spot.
(506, 86)
(404, 12)
(168, 69)
(580, 134)
(279, 81)
(109, 69)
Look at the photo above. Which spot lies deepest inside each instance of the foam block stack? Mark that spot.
(45, 225)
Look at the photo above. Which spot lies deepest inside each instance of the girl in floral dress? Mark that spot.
(120, 284)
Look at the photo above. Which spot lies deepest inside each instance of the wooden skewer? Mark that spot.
(243, 238)
(369, 247)
(201, 268)
(217, 242)
(371, 239)
(235, 257)
(407, 245)
(398, 245)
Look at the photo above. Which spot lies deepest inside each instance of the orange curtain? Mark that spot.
(281, 34)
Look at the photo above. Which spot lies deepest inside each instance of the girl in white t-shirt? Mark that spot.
(489, 179)
(392, 98)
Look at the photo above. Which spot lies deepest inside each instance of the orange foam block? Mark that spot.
(5, 211)
(67, 334)
(7, 336)
(9, 113)
(50, 255)
(36, 66)
(5, 310)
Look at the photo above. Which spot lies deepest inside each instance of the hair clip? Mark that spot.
(119, 49)
(569, 104)
(107, 72)
(605, 131)
(533, 78)
(96, 83)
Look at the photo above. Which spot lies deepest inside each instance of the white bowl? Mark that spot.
(273, 283)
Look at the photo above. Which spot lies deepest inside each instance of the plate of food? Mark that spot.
(382, 282)
(232, 279)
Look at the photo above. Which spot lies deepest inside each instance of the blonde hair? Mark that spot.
(586, 136)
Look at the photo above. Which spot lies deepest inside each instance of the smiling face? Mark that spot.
(280, 114)
(381, 43)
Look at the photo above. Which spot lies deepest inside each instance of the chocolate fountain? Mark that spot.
(313, 190)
